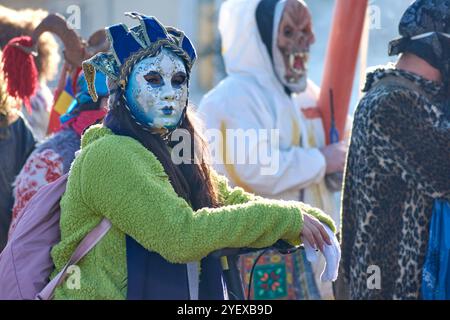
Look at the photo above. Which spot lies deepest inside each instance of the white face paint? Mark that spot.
(157, 90)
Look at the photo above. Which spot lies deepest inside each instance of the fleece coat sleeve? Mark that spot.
(231, 196)
(124, 182)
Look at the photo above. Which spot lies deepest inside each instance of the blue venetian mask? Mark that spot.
(157, 90)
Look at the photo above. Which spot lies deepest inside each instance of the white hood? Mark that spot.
(252, 98)
(242, 47)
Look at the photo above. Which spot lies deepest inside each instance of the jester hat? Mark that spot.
(130, 46)
(83, 98)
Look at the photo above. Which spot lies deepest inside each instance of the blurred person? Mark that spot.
(53, 157)
(16, 23)
(16, 144)
(266, 46)
(399, 161)
(166, 218)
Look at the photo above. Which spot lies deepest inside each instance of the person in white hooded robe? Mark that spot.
(265, 45)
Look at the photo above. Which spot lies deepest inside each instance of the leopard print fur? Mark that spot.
(398, 163)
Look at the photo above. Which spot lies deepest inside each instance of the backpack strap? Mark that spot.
(89, 241)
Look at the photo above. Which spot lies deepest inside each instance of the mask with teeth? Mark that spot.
(157, 90)
(293, 36)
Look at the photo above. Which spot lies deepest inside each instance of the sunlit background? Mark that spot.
(198, 18)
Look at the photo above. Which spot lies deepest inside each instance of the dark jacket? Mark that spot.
(16, 144)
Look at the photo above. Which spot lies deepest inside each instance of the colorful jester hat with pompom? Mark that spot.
(130, 46)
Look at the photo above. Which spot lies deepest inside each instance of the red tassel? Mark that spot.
(20, 69)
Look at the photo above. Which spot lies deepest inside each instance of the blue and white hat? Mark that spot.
(129, 46)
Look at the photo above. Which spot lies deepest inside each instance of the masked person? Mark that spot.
(52, 158)
(166, 218)
(265, 46)
(398, 162)
(16, 144)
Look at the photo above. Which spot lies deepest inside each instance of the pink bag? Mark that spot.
(25, 263)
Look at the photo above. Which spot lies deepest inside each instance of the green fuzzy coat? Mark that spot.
(117, 178)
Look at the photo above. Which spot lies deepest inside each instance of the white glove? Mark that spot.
(332, 254)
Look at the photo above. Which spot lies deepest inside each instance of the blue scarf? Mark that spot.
(436, 269)
(151, 277)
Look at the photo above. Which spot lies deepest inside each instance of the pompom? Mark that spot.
(20, 70)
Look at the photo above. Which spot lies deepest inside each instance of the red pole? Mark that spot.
(340, 62)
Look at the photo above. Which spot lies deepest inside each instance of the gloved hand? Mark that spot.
(331, 253)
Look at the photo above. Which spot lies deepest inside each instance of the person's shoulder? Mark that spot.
(110, 151)
(387, 87)
(99, 136)
(59, 139)
(388, 98)
(229, 93)
(115, 148)
(20, 130)
(19, 123)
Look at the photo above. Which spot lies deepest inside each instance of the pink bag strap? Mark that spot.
(91, 239)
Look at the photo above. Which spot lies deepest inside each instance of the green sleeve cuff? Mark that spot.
(319, 215)
(293, 236)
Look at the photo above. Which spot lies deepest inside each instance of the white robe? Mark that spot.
(251, 97)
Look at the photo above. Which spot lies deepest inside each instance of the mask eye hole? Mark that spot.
(154, 79)
(288, 32)
(179, 79)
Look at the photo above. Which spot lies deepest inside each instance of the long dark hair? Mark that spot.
(191, 181)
